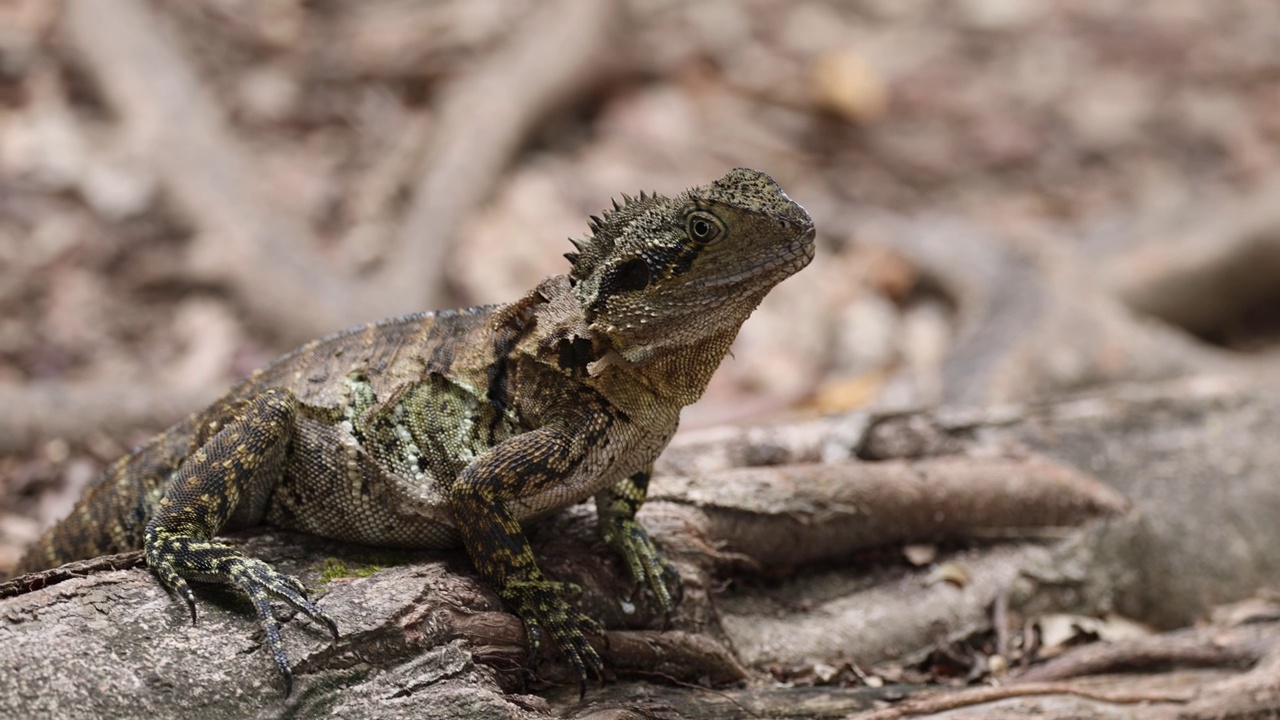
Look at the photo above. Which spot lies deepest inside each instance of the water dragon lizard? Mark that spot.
(441, 429)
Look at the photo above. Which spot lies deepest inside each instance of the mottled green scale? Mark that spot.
(427, 433)
(383, 431)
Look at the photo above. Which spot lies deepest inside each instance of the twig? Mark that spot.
(1253, 694)
(485, 117)
(979, 696)
(257, 250)
(1158, 650)
(73, 410)
(31, 582)
(1198, 274)
(1000, 621)
(800, 513)
(260, 252)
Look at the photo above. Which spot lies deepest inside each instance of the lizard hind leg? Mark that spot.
(230, 475)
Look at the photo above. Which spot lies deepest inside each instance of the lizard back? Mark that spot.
(339, 375)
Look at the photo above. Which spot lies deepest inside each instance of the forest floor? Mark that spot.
(1016, 201)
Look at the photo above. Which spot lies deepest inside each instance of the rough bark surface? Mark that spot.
(422, 638)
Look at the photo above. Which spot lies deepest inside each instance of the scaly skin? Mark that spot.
(459, 427)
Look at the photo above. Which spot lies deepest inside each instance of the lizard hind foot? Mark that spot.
(546, 614)
(260, 582)
(172, 558)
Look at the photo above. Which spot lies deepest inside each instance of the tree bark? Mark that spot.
(1036, 495)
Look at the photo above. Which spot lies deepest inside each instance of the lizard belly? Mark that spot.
(380, 473)
(347, 495)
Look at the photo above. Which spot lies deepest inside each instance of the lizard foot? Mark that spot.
(542, 606)
(647, 565)
(173, 558)
(261, 582)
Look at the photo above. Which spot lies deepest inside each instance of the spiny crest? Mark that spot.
(604, 231)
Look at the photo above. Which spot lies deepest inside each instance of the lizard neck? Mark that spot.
(652, 392)
(650, 378)
(680, 376)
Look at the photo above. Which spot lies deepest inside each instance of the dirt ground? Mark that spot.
(1015, 199)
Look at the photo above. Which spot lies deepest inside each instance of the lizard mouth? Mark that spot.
(793, 258)
(804, 232)
(803, 246)
(807, 238)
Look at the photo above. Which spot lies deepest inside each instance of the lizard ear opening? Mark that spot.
(630, 276)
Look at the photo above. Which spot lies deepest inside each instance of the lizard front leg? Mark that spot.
(617, 508)
(497, 546)
(231, 474)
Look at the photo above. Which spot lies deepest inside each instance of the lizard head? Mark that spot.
(659, 272)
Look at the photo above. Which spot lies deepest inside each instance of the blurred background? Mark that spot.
(1015, 199)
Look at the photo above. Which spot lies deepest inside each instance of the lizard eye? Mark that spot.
(703, 227)
(629, 276)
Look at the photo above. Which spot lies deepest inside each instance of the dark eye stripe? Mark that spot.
(683, 260)
(673, 262)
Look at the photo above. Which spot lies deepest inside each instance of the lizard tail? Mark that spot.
(113, 512)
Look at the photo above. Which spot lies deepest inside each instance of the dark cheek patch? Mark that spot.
(684, 259)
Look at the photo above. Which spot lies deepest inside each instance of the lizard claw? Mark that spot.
(252, 577)
(175, 583)
(184, 591)
(546, 613)
(261, 582)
